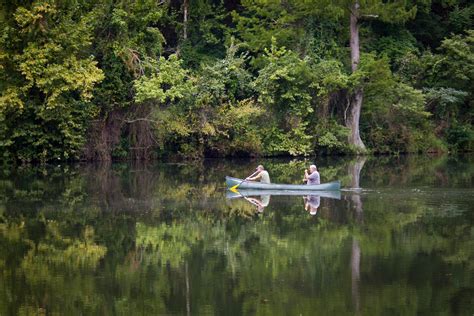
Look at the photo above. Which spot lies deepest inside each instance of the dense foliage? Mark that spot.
(143, 79)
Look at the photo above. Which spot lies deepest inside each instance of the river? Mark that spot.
(165, 239)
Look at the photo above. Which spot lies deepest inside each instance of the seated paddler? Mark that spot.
(261, 174)
(313, 176)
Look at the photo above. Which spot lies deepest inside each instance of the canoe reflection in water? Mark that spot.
(261, 198)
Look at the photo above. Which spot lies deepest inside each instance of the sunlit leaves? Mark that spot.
(168, 81)
(44, 98)
(69, 66)
(53, 62)
(209, 112)
(285, 87)
(458, 65)
(35, 18)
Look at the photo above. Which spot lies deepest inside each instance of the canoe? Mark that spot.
(329, 186)
(256, 192)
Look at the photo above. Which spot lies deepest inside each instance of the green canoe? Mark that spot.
(256, 192)
(330, 186)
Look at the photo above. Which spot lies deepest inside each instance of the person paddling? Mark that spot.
(313, 176)
(262, 175)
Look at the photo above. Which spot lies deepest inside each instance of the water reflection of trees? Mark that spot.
(354, 170)
(373, 236)
(162, 241)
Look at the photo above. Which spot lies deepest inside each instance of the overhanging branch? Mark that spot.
(140, 119)
(370, 16)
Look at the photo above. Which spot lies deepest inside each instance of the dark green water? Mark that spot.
(154, 239)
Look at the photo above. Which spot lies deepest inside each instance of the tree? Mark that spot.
(397, 11)
(285, 20)
(285, 85)
(389, 12)
(48, 76)
(126, 35)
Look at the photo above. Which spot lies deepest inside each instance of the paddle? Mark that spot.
(234, 188)
(246, 198)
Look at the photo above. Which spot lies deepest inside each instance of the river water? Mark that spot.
(164, 239)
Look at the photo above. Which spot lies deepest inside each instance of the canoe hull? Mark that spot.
(256, 192)
(330, 186)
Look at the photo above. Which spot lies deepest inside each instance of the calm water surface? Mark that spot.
(154, 239)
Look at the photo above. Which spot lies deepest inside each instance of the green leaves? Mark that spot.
(131, 31)
(457, 67)
(285, 86)
(167, 81)
(50, 80)
(208, 113)
(285, 82)
(52, 60)
(67, 67)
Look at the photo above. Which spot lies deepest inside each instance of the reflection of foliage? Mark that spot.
(41, 264)
(59, 250)
(167, 244)
(150, 237)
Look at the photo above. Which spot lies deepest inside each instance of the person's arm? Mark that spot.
(315, 178)
(312, 176)
(258, 176)
(306, 206)
(254, 201)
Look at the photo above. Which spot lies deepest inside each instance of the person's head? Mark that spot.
(260, 168)
(312, 168)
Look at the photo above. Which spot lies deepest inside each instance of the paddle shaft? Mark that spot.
(250, 175)
(237, 185)
(248, 200)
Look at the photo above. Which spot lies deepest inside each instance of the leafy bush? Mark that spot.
(460, 137)
(49, 78)
(285, 86)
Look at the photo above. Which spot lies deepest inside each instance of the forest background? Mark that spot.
(104, 80)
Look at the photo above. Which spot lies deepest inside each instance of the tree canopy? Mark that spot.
(146, 79)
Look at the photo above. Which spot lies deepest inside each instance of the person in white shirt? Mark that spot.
(313, 176)
(262, 175)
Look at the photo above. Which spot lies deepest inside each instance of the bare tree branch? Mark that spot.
(140, 119)
(370, 16)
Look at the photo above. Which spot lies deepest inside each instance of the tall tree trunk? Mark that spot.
(185, 19)
(352, 120)
(185, 8)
